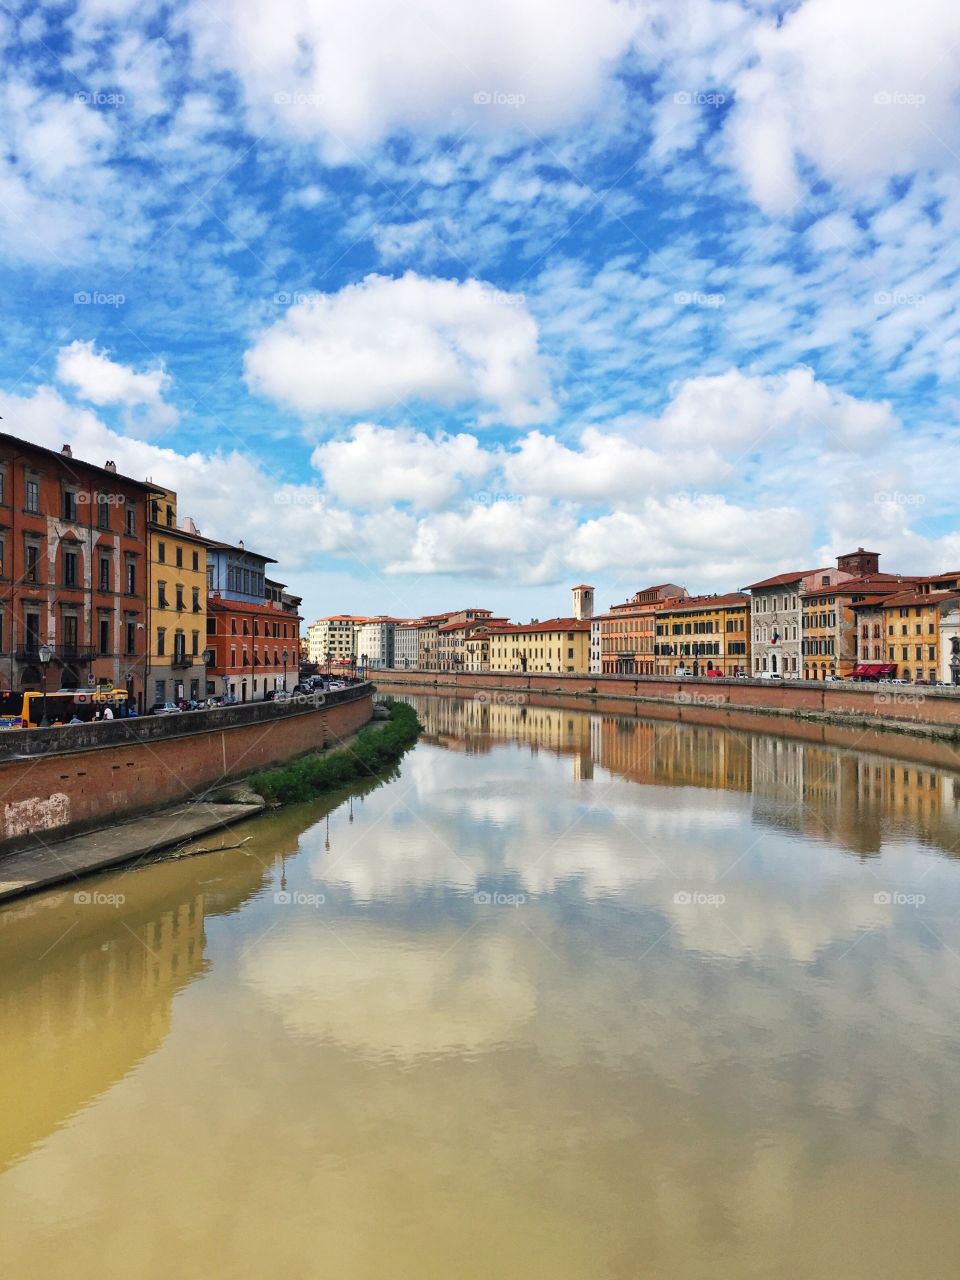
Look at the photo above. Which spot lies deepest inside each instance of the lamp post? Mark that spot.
(45, 654)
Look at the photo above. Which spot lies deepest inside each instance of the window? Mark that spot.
(69, 568)
(131, 521)
(104, 580)
(161, 595)
(130, 637)
(162, 552)
(179, 557)
(161, 691)
(69, 504)
(103, 511)
(179, 598)
(233, 626)
(33, 496)
(131, 577)
(161, 641)
(196, 562)
(70, 630)
(196, 600)
(104, 635)
(195, 649)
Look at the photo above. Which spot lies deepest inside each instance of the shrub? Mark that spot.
(373, 750)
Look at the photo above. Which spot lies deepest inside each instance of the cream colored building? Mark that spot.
(560, 645)
(333, 639)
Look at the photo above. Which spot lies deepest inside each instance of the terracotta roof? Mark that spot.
(582, 587)
(70, 462)
(917, 597)
(852, 586)
(698, 604)
(548, 624)
(783, 579)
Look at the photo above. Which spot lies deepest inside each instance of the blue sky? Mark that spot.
(445, 305)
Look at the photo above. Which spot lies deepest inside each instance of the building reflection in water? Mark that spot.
(87, 987)
(850, 796)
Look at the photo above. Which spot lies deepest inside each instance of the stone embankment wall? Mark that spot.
(54, 782)
(916, 708)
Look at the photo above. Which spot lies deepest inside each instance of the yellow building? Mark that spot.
(176, 605)
(555, 645)
(703, 634)
(911, 627)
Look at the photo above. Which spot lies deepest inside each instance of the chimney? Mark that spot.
(110, 466)
(67, 451)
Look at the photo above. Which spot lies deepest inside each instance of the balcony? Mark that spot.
(180, 661)
(71, 653)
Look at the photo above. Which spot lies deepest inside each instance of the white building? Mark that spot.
(333, 639)
(950, 642)
(406, 643)
(375, 642)
(596, 662)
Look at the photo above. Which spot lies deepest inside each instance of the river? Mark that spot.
(571, 995)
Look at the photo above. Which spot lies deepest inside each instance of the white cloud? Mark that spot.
(350, 75)
(861, 89)
(102, 381)
(375, 467)
(385, 341)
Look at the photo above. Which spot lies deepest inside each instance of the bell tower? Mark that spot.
(582, 602)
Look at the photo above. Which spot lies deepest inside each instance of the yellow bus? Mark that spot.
(24, 710)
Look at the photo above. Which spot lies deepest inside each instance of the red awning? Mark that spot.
(873, 670)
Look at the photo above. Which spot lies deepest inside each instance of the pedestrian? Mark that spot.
(108, 713)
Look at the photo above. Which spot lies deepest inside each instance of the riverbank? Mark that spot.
(123, 843)
(60, 782)
(916, 710)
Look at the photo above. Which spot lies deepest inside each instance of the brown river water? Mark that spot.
(571, 995)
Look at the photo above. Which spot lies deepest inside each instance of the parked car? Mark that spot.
(164, 709)
(742, 675)
(894, 680)
(832, 679)
(770, 675)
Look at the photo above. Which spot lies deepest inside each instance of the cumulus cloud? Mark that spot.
(351, 75)
(860, 89)
(386, 341)
(375, 467)
(102, 381)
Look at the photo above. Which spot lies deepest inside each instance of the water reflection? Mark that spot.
(574, 994)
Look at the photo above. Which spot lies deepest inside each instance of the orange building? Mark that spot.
(628, 631)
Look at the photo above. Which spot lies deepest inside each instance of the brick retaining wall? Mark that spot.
(898, 706)
(122, 767)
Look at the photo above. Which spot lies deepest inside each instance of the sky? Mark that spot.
(454, 305)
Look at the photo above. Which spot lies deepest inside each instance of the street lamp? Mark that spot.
(45, 654)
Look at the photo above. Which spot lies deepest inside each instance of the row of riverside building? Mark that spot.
(848, 621)
(97, 568)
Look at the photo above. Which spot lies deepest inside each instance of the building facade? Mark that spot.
(627, 632)
(73, 571)
(253, 641)
(916, 625)
(830, 644)
(331, 642)
(554, 645)
(177, 604)
(375, 642)
(701, 635)
(406, 645)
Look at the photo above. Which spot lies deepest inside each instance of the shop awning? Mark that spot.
(873, 671)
